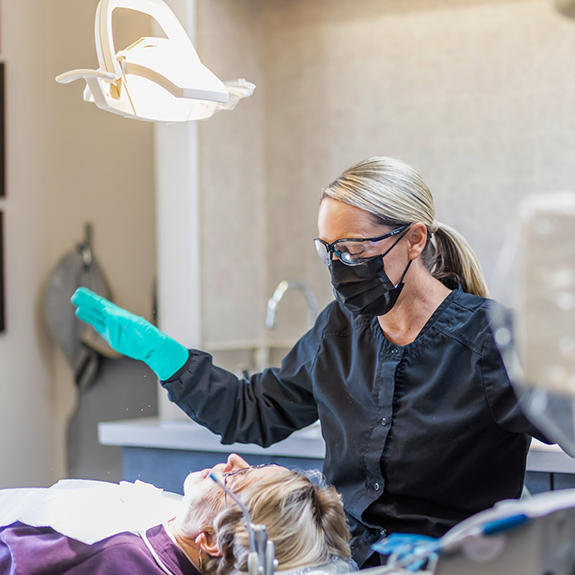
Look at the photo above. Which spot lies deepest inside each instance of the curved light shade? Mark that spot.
(154, 79)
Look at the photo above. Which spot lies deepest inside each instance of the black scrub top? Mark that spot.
(418, 437)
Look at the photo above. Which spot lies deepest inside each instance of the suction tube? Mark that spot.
(261, 560)
(244, 509)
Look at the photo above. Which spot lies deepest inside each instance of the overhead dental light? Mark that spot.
(154, 79)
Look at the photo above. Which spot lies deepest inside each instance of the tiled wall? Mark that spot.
(479, 95)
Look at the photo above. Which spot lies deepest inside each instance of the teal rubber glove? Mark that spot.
(130, 334)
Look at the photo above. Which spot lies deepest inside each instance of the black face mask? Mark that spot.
(365, 289)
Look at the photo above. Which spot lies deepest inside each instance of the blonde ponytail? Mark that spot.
(455, 262)
(395, 194)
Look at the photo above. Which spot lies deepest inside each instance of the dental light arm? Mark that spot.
(261, 559)
(157, 9)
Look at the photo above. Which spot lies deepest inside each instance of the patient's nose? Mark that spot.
(234, 463)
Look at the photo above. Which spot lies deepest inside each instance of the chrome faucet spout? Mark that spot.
(283, 287)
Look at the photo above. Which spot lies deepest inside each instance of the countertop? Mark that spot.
(308, 442)
(188, 435)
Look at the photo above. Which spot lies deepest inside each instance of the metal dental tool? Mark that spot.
(261, 559)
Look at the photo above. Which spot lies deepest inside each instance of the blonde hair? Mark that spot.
(395, 194)
(305, 521)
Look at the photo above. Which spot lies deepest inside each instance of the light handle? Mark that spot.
(84, 73)
(157, 9)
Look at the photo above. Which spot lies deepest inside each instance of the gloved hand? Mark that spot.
(129, 334)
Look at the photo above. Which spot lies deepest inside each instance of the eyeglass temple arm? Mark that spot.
(261, 559)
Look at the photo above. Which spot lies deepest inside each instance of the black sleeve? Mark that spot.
(500, 394)
(264, 409)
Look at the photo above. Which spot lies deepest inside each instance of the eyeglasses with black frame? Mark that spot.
(241, 471)
(352, 251)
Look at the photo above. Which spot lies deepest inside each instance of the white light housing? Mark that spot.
(154, 79)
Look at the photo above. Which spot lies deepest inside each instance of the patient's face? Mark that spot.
(204, 499)
(200, 479)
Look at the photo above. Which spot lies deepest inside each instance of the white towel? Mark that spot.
(89, 511)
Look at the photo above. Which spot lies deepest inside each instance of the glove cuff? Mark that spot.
(168, 359)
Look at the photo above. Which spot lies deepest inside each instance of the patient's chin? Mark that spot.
(192, 481)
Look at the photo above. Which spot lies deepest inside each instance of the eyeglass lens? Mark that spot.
(322, 251)
(241, 472)
(351, 252)
(245, 469)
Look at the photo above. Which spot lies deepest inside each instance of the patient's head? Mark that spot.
(305, 521)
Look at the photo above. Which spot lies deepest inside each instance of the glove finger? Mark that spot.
(83, 297)
(112, 312)
(89, 316)
(95, 320)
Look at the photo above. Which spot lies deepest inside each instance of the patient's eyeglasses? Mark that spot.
(242, 471)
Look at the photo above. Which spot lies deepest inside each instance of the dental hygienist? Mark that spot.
(421, 425)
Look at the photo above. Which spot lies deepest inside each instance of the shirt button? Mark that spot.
(376, 486)
(384, 421)
(394, 351)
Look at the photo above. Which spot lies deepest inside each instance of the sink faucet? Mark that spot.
(283, 287)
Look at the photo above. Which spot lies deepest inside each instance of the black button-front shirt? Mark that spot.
(417, 437)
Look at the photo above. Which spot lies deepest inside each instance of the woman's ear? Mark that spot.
(417, 238)
(206, 540)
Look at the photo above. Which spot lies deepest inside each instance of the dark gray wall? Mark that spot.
(124, 389)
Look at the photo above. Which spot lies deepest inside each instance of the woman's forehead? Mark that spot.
(337, 220)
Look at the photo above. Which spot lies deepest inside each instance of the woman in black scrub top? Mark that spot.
(421, 424)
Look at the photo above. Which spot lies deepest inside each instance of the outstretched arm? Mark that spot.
(262, 410)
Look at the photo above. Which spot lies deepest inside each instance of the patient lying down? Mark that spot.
(208, 535)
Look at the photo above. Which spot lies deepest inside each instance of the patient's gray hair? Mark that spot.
(305, 521)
